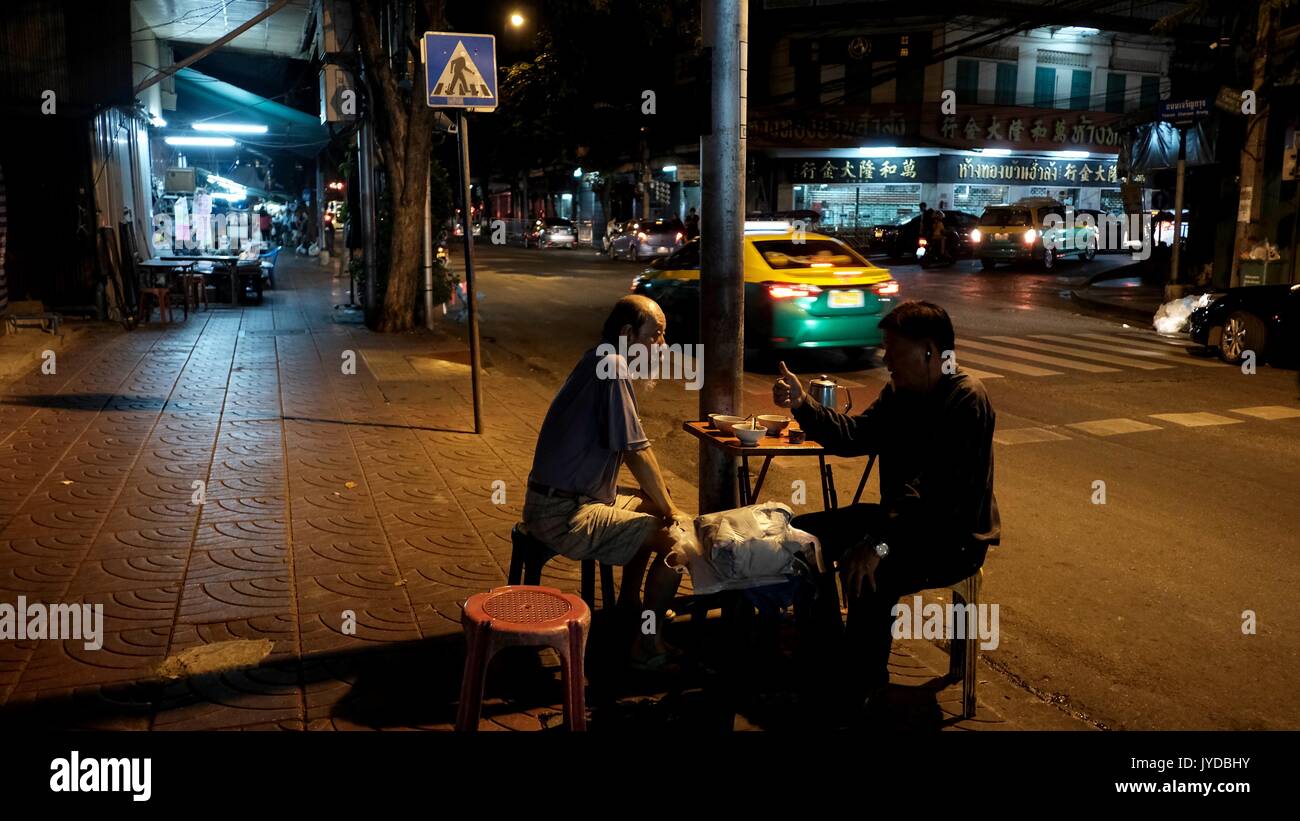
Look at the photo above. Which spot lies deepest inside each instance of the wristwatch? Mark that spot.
(882, 549)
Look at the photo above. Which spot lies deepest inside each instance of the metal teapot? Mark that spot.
(826, 391)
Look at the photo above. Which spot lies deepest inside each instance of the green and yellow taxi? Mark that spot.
(1036, 229)
(802, 290)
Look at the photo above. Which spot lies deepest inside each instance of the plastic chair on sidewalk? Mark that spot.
(528, 555)
(524, 616)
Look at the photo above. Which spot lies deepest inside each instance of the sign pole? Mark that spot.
(1175, 291)
(471, 301)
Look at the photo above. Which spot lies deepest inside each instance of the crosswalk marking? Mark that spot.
(1133, 350)
(1268, 412)
(1113, 427)
(1146, 342)
(1099, 357)
(1014, 367)
(978, 374)
(1036, 357)
(1024, 436)
(1196, 420)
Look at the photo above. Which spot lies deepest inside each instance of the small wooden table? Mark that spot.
(767, 447)
(231, 261)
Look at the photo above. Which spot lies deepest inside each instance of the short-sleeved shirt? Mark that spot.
(591, 422)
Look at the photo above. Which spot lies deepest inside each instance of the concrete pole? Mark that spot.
(722, 279)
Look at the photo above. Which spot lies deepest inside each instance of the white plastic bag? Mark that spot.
(749, 547)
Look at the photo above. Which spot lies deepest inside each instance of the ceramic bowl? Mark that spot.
(749, 434)
(725, 423)
(774, 424)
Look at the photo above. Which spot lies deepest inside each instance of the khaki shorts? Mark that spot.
(585, 528)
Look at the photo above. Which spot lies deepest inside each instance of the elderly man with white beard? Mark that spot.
(574, 504)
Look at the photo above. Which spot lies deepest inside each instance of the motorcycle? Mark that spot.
(933, 255)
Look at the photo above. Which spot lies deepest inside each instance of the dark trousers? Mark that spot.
(862, 649)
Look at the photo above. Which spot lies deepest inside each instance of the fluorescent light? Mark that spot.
(223, 195)
(566, 196)
(878, 151)
(1071, 155)
(668, 168)
(231, 128)
(231, 184)
(995, 152)
(210, 142)
(157, 122)
(1078, 31)
(577, 172)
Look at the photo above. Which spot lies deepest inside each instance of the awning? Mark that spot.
(200, 98)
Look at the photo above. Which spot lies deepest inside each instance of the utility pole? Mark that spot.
(722, 275)
(1252, 153)
(645, 176)
(1174, 290)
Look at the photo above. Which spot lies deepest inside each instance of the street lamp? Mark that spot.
(517, 20)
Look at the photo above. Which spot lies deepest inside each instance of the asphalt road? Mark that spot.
(1129, 613)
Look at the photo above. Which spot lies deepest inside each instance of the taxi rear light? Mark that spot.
(922, 241)
(886, 288)
(975, 235)
(791, 290)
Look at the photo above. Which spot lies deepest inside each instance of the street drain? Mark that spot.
(214, 658)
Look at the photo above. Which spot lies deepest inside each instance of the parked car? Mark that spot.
(550, 233)
(806, 291)
(1260, 318)
(643, 239)
(1019, 232)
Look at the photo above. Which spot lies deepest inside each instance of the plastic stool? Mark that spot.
(523, 616)
(163, 297)
(528, 555)
(963, 653)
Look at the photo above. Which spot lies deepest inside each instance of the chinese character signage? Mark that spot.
(974, 126)
(874, 169)
(1085, 173)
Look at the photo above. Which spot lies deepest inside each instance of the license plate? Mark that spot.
(662, 250)
(846, 299)
(1000, 236)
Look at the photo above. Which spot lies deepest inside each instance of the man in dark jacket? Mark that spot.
(932, 430)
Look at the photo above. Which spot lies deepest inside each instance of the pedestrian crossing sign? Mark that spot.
(460, 70)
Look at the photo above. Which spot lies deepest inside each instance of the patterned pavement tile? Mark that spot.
(269, 693)
(129, 572)
(48, 578)
(206, 602)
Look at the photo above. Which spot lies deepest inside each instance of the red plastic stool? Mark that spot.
(524, 616)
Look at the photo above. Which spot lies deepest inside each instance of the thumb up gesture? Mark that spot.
(788, 391)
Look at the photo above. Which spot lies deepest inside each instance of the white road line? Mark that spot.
(1135, 340)
(1035, 357)
(1099, 357)
(978, 374)
(1268, 412)
(1196, 420)
(1133, 350)
(1113, 427)
(1024, 436)
(1014, 367)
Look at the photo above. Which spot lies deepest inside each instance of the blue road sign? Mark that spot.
(460, 70)
(1184, 112)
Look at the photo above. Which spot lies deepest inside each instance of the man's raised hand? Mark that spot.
(787, 392)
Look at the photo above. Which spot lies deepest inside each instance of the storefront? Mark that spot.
(860, 193)
(842, 166)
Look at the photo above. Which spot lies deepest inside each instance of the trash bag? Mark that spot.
(749, 547)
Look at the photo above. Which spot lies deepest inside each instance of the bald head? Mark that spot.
(634, 316)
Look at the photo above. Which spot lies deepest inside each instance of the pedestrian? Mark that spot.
(692, 225)
(932, 430)
(573, 503)
(264, 224)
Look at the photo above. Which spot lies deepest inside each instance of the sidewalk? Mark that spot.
(1128, 298)
(325, 492)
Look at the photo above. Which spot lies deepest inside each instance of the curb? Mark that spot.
(1101, 306)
